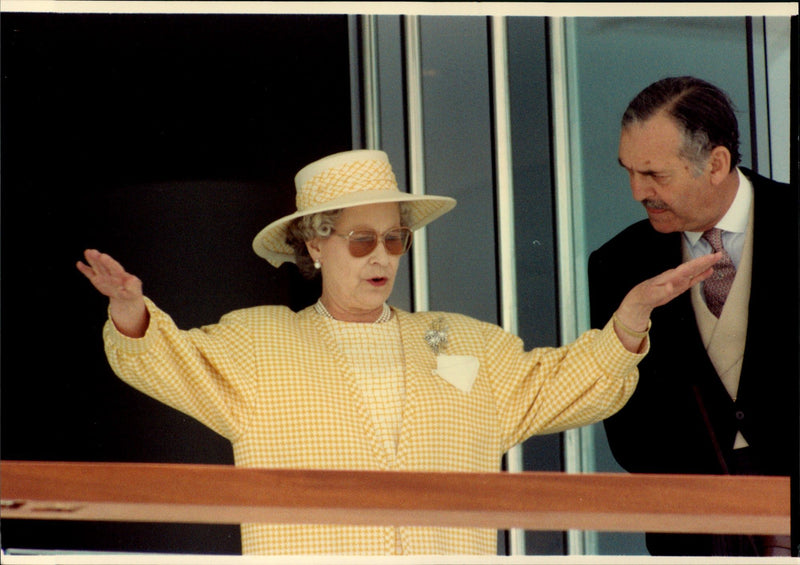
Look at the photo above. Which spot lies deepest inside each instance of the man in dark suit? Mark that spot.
(718, 392)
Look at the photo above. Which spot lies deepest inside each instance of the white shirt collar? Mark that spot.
(735, 219)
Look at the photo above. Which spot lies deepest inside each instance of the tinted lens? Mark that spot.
(362, 242)
(397, 241)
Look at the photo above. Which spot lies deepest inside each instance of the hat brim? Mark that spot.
(270, 243)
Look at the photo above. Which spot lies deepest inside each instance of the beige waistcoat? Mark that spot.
(724, 338)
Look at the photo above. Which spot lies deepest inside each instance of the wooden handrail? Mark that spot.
(532, 501)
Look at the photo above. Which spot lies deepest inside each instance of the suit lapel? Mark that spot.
(772, 224)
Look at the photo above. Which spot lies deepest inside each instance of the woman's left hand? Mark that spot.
(634, 311)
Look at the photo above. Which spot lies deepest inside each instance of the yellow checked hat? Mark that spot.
(344, 180)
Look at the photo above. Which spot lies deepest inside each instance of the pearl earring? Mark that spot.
(317, 264)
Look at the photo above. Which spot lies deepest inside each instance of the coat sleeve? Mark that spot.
(551, 389)
(207, 373)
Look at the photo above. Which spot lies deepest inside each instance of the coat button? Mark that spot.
(739, 415)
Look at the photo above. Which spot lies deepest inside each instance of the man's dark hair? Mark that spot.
(704, 112)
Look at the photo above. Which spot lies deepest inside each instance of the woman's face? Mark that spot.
(355, 288)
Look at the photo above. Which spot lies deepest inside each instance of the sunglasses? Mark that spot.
(362, 242)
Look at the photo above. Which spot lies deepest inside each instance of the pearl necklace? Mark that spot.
(384, 317)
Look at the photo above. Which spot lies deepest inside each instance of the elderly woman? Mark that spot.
(353, 383)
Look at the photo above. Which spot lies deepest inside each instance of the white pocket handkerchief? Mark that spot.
(458, 370)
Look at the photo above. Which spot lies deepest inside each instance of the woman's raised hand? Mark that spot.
(633, 314)
(124, 291)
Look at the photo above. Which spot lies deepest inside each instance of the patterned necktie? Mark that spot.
(716, 287)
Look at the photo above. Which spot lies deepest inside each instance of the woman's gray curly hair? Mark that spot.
(306, 228)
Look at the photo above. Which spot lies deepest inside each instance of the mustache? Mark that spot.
(654, 204)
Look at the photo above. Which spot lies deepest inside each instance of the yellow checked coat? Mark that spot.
(271, 381)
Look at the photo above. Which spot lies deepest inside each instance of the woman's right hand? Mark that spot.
(124, 291)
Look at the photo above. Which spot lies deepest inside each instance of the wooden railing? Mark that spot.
(532, 501)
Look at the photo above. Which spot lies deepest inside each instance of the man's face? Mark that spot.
(674, 195)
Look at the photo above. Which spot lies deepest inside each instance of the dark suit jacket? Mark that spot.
(661, 429)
